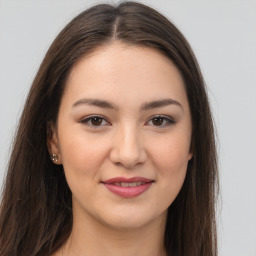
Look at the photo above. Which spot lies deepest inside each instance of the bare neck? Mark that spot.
(90, 238)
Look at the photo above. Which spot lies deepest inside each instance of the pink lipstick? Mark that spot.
(128, 188)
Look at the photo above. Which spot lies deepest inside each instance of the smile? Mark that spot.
(126, 184)
(128, 188)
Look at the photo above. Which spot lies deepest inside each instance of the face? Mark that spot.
(123, 135)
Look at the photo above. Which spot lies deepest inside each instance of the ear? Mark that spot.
(190, 155)
(191, 150)
(53, 143)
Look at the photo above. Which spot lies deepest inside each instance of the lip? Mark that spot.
(128, 192)
(128, 180)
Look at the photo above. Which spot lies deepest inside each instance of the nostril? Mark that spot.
(127, 149)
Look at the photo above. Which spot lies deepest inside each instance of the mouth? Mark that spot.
(128, 188)
(128, 184)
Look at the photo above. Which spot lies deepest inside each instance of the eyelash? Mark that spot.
(87, 121)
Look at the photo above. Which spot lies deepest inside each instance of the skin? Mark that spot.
(126, 142)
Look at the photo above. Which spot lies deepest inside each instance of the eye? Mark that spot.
(161, 121)
(94, 121)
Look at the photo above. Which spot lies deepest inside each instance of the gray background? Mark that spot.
(223, 36)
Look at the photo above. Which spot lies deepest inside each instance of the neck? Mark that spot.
(91, 238)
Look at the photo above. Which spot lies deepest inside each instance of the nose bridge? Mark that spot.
(128, 147)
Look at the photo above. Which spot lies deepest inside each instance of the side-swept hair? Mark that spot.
(36, 207)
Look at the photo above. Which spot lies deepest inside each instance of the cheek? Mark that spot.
(82, 159)
(81, 155)
(172, 170)
(171, 154)
(171, 160)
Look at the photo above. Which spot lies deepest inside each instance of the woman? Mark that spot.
(115, 151)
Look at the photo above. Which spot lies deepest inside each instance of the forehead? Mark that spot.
(119, 71)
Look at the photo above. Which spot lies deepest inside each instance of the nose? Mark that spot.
(127, 148)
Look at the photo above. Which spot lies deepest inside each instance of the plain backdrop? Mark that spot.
(223, 36)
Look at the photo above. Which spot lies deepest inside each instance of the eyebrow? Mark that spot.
(160, 103)
(146, 106)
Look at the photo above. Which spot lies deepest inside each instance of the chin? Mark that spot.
(131, 220)
(126, 223)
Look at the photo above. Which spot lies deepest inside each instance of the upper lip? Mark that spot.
(127, 180)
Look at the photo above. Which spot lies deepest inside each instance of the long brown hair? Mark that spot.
(36, 207)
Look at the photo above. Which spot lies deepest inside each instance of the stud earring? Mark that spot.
(54, 158)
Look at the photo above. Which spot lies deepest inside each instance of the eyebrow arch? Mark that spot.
(97, 103)
(160, 103)
(146, 106)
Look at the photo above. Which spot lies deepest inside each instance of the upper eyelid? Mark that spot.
(169, 119)
(93, 115)
(87, 118)
(161, 116)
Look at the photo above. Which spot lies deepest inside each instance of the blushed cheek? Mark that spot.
(175, 174)
(172, 163)
(83, 159)
(174, 168)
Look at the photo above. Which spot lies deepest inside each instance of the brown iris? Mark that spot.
(157, 121)
(96, 121)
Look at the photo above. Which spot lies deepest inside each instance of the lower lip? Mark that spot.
(128, 192)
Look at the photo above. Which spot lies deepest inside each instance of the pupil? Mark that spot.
(158, 121)
(96, 120)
